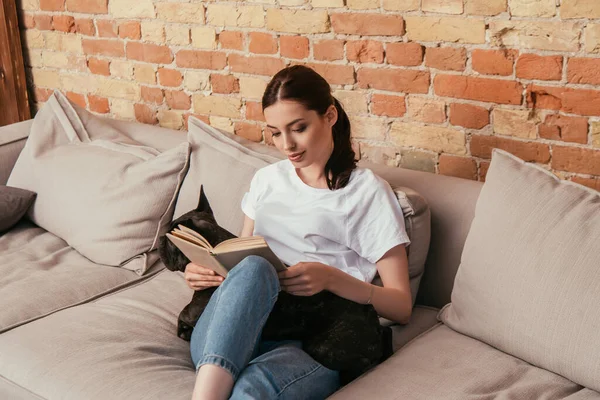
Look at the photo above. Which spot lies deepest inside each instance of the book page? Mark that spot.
(239, 243)
(195, 235)
(198, 255)
(188, 237)
(231, 258)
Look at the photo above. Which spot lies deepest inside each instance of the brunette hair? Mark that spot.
(307, 87)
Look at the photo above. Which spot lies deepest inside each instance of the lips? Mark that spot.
(296, 156)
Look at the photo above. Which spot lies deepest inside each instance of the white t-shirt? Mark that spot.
(349, 228)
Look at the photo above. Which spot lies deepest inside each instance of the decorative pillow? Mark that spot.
(529, 279)
(105, 194)
(14, 203)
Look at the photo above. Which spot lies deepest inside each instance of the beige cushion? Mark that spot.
(529, 279)
(103, 193)
(445, 365)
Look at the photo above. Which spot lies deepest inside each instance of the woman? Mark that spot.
(336, 225)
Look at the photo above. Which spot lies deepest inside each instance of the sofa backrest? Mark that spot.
(451, 201)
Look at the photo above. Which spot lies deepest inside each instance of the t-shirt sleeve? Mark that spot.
(376, 223)
(250, 199)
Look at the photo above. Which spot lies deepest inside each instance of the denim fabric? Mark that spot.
(228, 335)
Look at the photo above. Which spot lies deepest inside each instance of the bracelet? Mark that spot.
(370, 294)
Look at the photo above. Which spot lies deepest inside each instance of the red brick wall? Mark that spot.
(428, 84)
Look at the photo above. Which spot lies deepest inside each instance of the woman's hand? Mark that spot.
(305, 278)
(200, 278)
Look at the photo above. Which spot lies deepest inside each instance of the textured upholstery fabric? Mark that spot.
(14, 203)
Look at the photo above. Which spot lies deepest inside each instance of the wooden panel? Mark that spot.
(14, 104)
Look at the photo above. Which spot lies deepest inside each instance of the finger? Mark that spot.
(199, 269)
(292, 272)
(301, 293)
(293, 281)
(205, 278)
(296, 288)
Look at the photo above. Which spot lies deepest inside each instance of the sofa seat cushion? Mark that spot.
(40, 274)
(444, 364)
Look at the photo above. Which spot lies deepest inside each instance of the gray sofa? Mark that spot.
(73, 329)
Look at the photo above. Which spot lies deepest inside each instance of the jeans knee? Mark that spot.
(256, 270)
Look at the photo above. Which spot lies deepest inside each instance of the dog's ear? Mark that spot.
(203, 205)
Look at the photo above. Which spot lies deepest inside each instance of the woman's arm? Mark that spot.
(394, 300)
(248, 228)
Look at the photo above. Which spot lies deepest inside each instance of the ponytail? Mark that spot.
(342, 161)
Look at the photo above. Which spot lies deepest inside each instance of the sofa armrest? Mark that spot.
(422, 319)
(12, 141)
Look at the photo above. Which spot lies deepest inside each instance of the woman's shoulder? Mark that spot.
(272, 170)
(365, 179)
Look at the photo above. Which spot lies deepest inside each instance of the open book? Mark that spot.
(223, 256)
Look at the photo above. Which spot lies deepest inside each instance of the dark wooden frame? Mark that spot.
(14, 103)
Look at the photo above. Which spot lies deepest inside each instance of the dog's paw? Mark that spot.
(184, 331)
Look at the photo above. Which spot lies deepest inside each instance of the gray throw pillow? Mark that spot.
(14, 203)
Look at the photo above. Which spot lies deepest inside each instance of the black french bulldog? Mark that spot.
(338, 333)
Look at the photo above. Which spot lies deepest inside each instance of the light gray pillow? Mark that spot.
(529, 279)
(14, 203)
(105, 194)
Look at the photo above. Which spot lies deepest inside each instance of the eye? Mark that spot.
(300, 129)
(275, 134)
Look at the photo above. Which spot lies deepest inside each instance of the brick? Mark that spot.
(434, 138)
(371, 128)
(445, 29)
(519, 123)
(201, 59)
(483, 169)
(196, 80)
(294, 47)
(527, 8)
(446, 58)
(190, 13)
(152, 95)
(98, 66)
(43, 22)
(443, 6)
(169, 77)
(583, 70)
(427, 110)
(327, 3)
(396, 80)
(88, 6)
(576, 159)
(70, 43)
(487, 7)
(222, 123)
(593, 183)
(98, 104)
(118, 88)
(368, 24)
(469, 116)
(255, 64)
(33, 58)
(567, 129)
(77, 98)
(254, 111)
(151, 53)
(121, 69)
(334, 74)
(362, 4)
(178, 99)
(153, 31)
(364, 51)
(105, 47)
(592, 38)
(298, 21)
(328, 50)
(77, 82)
(217, 105)
(231, 40)
(481, 89)
(122, 109)
(29, 5)
(418, 160)
(130, 30)
(494, 62)
(186, 117)
(52, 5)
(177, 35)
(132, 9)
(170, 119)
(64, 61)
(85, 26)
(224, 83)
(378, 154)
(542, 35)
(107, 28)
(404, 5)
(387, 105)
(221, 15)
(144, 73)
(42, 95)
(404, 54)
(249, 131)
(353, 102)
(482, 145)
(204, 37)
(532, 66)
(262, 43)
(595, 131)
(460, 167)
(571, 101)
(251, 87)
(27, 21)
(579, 9)
(545, 97)
(291, 3)
(145, 114)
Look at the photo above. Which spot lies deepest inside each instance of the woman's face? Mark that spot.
(304, 136)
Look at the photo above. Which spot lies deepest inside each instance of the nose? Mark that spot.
(288, 143)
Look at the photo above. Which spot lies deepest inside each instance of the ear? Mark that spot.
(331, 115)
(203, 204)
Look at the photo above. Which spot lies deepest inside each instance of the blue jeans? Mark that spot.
(228, 334)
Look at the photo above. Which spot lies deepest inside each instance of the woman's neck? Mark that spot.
(313, 175)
